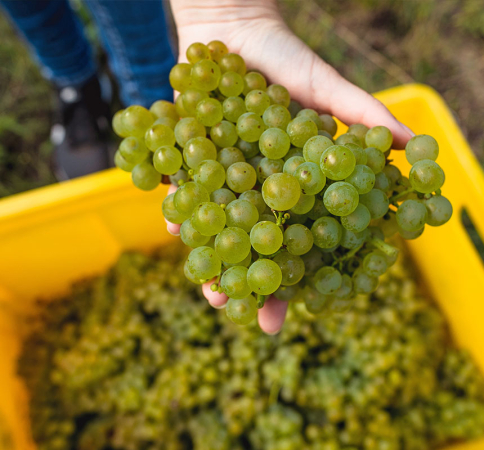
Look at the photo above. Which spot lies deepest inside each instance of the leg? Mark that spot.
(135, 36)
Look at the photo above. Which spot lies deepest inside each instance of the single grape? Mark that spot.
(264, 276)
(167, 160)
(242, 311)
(204, 263)
(347, 138)
(364, 283)
(180, 108)
(191, 98)
(360, 154)
(196, 52)
(249, 149)
(293, 151)
(296, 219)
(164, 109)
(327, 232)
(244, 263)
(377, 203)
(362, 178)
(287, 293)
(266, 238)
(375, 159)
(135, 120)
(292, 268)
(242, 214)
(254, 81)
(329, 124)
(375, 264)
(217, 50)
(411, 215)
(254, 197)
(224, 134)
(315, 147)
(210, 174)
(274, 143)
(121, 163)
(388, 224)
(233, 62)
(393, 173)
(304, 204)
(439, 210)
(382, 182)
(313, 115)
(327, 280)
(190, 276)
(421, 147)
(222, 196)
(337, 162)
(232, 244)
(255, 161)
(276, 116)
(230, 155)
(171, 213)
(345, 291)
(257, 101)
(189, 235)
(298, 239)
(410, 235)
(294, 107)
(315, 302)
(179, 178)
(292, 164)
(233, 108)
(358, 220)
(208, 219)
(167, 121)
(117, 124)
(351, 240)
(209, 112)
(231, 84)
(313, 260)
(266, 217)
(250, 127)
(198, 149)
(310, 178)
(279, 95)
(188, 196)
(188, 128)
(180, 78)
(281, 191)
(300, 130)
(133, 150)
(426, 176)
(241, 177)
(205, 75)
(359, 130)
(379, 137)
(267, 167)
(234, 282)
(341, 198)
(319, 210)
(145, 177)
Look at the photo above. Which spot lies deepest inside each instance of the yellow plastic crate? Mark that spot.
(56, 235)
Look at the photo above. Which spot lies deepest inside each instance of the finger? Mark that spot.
(173, 228)
(272, 315)
(172, 189)
(216, 299)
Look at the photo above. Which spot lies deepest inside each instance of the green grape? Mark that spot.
(264, 276)
(117, 124)
(234, 282)
(209, 112)
(364, 283)
(231, 84)
(292, 164)
(362, 178)
(313, 115)
(191, 98)
(327, 232)
(267, 167)
(292, 268)
(135, 120)
(410, 235)
(242, 214)
(254, 81)
(327, 280)
(254, 197)
(376, 232)
(382, 182)
(232, 245)
(250, 127)
(276, 116)
(341, 198)
(294, 107)
(304, 204)
(287, 293)
(360, 154)
(279, 95)
(315, 147)
(210, 174)
(298, 239)
(205, 75)
(313, 260)
(300, 129)
(377, 203)
(266, 238)
(164, 109)
(319, 210)
(208, 219)
(233, 62)
(196, 52)
(345, 291)
(266, 217)
(379, 137)
(188, 128)
(233, 108)
(188, 196)
(190, 236)
(393, 173)
(341, 305)
(255, 161)
(358, 220)
(204, 263)
(241, 177)
(222, 196)
(439, 210)
(347, 139)
(224, 134)
(388, 224)
(310, 178)
(411, 215)
(249, 149)
(180, 79)
(180, 109)
(293, 151)
(179, 178)
(241, 311)
(133, 150)
(351, 240)
(375, 159)
(121, 163)
(329, 124)
(167, 121)
(426, 176)
(198, 149)
(171, 213)
(257, 102)
(167, 160)
(244, 263)
(145, 177)
(217, 50)
(230, 155)
(296, 219)
(421, 147)
(190, 276)
(359, 130)
(375, 264)
(337, 162)
(281, 191)
(326, 135)
(315, 302)
(274, 143)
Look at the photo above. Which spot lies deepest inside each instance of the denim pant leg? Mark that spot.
(55, 37)
(135, 36)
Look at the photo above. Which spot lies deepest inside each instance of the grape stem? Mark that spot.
(402, 194)
(261, 299)
(388, 249)
(347, 256)
(280, 219)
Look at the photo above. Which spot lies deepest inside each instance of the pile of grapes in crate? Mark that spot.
(268, 199)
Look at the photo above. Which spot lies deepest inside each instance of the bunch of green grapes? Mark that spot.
(268, 199)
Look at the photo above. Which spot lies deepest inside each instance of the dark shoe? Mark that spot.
(80, 132)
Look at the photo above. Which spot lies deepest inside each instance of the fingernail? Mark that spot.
(173, 234)
(410, 132)
(219, 306)
(274, 333)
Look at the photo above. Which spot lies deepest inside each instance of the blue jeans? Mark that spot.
(134, 34)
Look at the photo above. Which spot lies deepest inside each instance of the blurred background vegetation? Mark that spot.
(376, 44)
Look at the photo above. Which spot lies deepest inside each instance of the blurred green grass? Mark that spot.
(376, 44)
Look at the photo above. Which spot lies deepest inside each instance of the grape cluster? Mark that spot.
(120, 365)
(269, 201)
